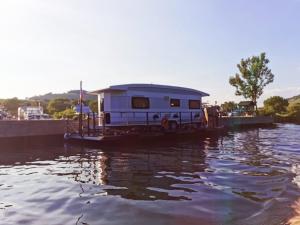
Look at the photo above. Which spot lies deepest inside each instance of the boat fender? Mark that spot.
(165, 123)
(66, 136)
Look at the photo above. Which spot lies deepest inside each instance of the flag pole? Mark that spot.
(80, 114)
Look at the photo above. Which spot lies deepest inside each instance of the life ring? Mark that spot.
(165, 123)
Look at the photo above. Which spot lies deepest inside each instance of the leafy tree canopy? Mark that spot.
(294, 108)
(12, 104)
(229, 106)
(253, 76)
(275, 104)
(93, 104)
(58, 105)
(66, 114)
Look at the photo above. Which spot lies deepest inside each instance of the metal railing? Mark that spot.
(94, 124)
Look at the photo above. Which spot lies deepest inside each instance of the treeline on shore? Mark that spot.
(57, 108)
(283, 110)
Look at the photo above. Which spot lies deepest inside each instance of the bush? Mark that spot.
(294, 108)
(275, 105)
(66, 114)
(58, 105)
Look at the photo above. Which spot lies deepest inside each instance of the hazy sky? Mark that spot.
(50, 45)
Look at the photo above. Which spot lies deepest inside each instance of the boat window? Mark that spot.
(140, 103)
(194, 104)
(174, 102)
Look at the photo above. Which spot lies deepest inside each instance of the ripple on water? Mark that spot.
(247, 177)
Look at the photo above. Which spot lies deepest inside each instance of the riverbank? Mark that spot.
(30, 128)
(36, 128)
(242, 121)
(286, 118)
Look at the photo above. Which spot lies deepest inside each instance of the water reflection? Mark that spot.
(142, 174)
(243, 177)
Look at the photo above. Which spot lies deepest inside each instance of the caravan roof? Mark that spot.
(151, 88)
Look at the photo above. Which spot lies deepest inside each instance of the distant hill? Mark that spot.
(73, 94)
(294, 99)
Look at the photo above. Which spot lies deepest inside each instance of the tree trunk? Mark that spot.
(255, 105)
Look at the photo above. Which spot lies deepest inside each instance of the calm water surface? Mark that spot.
(246, 177)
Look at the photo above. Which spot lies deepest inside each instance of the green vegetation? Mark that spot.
(93, 104)
(229, 106)
(253, 76)
(12, 104)
(72, 95)
(284, 110)
(66, 114)
(58, 105)
(58, 108)
(275, 105)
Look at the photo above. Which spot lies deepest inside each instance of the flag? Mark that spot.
(81, 93)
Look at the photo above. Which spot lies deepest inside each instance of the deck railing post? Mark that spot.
(103, 124)
(180, 119)
(191, 117)
(94, 123)
(88, 123)
(147, 115)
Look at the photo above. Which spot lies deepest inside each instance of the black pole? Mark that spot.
(80, 114)
(147, 115)
(88, 124)
(180, 119)
(94, 123)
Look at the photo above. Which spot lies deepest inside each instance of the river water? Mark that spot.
(244, 177)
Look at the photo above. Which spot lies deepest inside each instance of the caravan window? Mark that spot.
(194, 104)
(140, 103)
(174, 102)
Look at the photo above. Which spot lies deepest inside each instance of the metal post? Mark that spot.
(147, 114)
(103, 124)
(88, 124)
(191, 117)
(180, 119)
(80, 114)
(94, 123)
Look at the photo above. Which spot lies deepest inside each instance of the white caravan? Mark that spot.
(149, 104)
(31, 113)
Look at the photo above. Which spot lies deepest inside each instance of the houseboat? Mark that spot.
(144, 110)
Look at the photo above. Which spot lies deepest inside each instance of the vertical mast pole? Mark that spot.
(80, 114)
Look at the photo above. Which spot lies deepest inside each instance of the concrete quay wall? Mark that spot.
(31, 128)
(246, 121)
(27, 128)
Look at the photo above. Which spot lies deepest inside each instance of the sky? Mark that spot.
(49, 46)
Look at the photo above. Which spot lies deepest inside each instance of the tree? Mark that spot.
(66, 114)
(253, 76)
(93, 104)
(58, 105)
(229, 106)
(294, 108)
(12, 105)
(275, 104)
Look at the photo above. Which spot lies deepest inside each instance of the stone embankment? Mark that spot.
(27, 128)
(32, 128)
(246, 121)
